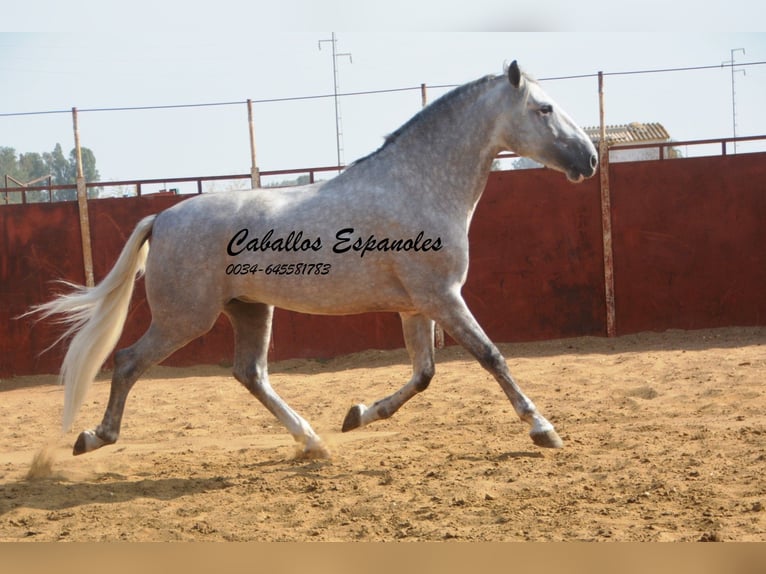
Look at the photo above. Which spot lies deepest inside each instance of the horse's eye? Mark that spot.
(546, 109)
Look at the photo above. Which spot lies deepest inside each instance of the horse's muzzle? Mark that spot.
(579, 173)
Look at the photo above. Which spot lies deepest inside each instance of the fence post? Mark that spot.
(606, 215)
(82, 204)
(255, 173)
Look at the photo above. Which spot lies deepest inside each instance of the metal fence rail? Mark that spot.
(138, 185)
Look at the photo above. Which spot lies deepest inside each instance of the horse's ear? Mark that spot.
(514, 74)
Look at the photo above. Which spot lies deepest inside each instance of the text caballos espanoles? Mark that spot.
(346, 240)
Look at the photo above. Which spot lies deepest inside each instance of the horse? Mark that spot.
(388, 234)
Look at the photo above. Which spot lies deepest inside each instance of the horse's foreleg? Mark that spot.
(419, 338)
(461, 325)
(252, 332)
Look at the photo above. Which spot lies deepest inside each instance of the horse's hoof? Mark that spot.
(547, 439)
(315, 450)
(353, 418)
(86, 442)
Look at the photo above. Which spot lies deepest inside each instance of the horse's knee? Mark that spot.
(251, 376)
(240, 375)
(424, 378)
(491, 359)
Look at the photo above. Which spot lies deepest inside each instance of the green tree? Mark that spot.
(7, 162)
(32, 166)
(300, 180)
(58, 166)
(88, 164)
(63, 171)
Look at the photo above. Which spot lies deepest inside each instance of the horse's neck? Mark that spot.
(450, 155)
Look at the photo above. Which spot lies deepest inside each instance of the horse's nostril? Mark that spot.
(593, 161)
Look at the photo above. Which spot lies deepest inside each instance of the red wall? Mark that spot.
(39, 243)
(690, 243)
(536, 258)
(689, 252)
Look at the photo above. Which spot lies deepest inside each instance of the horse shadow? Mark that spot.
(58, 494)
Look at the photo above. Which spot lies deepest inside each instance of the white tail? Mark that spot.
(96, 317)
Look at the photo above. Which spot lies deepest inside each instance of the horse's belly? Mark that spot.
(322, 294)
(334, 260)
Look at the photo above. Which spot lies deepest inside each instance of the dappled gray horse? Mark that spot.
(388, 234)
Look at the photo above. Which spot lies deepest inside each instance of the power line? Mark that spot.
(211, 104)
(362, 93)
(655, 71)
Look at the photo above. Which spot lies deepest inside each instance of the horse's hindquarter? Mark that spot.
(305, 251)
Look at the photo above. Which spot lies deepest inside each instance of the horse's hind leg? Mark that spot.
(129, 364)
(419, 338)
(252, 332)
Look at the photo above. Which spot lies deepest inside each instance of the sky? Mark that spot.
(43, 71)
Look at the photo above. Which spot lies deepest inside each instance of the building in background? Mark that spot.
(633, 133)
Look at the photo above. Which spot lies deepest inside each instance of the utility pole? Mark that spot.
(733, 93)
(338, 130)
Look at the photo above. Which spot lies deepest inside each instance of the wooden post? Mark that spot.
(82, 204)
(606, 215)
(255, 174)
(423, 95)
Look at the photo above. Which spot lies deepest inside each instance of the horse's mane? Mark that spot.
(426, 115)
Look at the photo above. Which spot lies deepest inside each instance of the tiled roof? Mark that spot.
(634, 132)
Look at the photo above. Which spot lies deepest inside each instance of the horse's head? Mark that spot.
(537, 128)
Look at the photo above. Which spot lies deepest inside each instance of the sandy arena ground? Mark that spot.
(665, 441)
